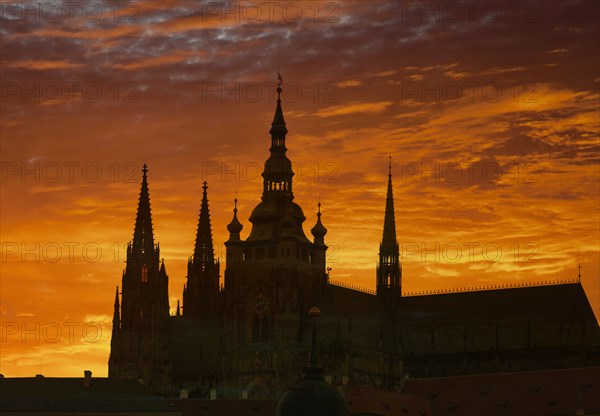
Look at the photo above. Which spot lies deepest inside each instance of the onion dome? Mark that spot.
(319, 230)
(312, 396)
(234, 227)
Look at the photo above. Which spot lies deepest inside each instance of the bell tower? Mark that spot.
(389, 269)
(276, 274)
(201, 291)
(140, 335)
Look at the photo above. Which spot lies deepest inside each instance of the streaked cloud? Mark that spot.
(351, 108)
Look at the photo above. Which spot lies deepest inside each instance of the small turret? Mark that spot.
(235, 226)
(319, 230)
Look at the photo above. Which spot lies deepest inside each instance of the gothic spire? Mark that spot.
(389, 223)
(143, 235)
(116, 316)
(203, 252)
(389, 269)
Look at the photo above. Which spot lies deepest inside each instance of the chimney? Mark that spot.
(87, 378)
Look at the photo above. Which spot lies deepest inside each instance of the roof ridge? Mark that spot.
(352, 287)
(505, 286)
(431, 292)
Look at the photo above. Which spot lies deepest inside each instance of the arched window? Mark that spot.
(144, 273)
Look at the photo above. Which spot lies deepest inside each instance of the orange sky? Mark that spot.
(490, 112)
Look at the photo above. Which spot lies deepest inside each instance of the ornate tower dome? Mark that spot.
(312, 396)
(319, 230)
(235, 226)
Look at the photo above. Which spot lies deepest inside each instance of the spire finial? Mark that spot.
(279, 83)
(579, 274)
(390, 165)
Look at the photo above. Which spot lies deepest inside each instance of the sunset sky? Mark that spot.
(489, 110)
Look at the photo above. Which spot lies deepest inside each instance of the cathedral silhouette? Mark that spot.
(250, 338)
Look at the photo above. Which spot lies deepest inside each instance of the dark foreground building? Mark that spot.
(80, 396)
(250, 336)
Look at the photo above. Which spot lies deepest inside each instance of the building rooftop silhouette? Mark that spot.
(251, 336)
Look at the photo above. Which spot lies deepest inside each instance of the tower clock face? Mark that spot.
(261, 303)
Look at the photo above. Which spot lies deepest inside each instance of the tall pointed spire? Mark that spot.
(389, 223)
(204, 251)
(144, 299)
(389, 269)
(116, 313)
(202, 282)
(115, 340)
(143, 234)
